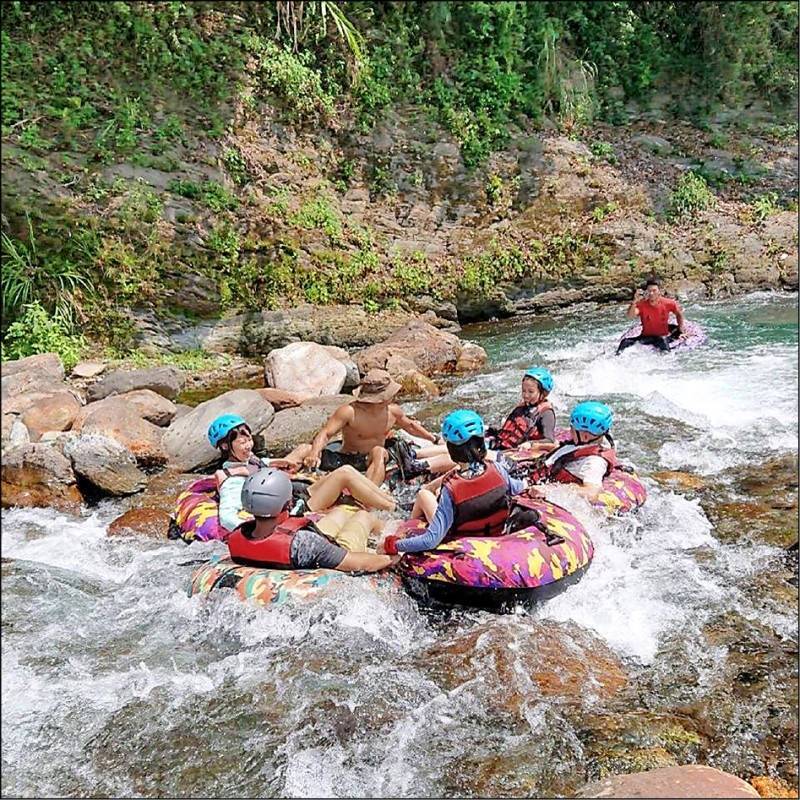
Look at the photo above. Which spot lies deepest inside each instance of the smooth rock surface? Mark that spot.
(186, 441)
(54, 413)
(293, 426)
(692, 780)
(152, 406)
(166, 381)
(38, 476)
(305, 368)
(88, 369)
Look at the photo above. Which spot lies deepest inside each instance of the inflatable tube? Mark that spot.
(272, 586)
(693, 337)
(622, 492)
(196, 514)
(502, 571)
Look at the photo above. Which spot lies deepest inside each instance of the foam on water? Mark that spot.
(107, 662)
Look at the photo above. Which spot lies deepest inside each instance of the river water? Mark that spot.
(678, 646)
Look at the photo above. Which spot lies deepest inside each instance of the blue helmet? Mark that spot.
(592, 417)
(222, 426)
(542, 376)
(460, 426)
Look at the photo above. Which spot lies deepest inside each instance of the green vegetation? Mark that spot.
(764, 206)
(36, 331)
(95, 90)
(691, 194)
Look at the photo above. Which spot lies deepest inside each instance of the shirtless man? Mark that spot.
(364, 424)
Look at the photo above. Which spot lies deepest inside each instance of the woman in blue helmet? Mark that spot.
(589, 457)
(531, 425)
(474, 497)
(232, 436)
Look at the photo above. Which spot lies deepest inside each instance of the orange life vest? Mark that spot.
(523, 424)
(558, 471)
(273, 551)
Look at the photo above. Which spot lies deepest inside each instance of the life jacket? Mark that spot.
(523, 424)
(253, 464)
(556, 464)
(273, 551)
(480, 503)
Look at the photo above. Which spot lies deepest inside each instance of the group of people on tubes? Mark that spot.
(290, 524)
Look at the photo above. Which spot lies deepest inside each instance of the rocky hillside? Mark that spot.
(175, 227)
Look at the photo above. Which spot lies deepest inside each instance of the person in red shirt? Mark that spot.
(653, 311)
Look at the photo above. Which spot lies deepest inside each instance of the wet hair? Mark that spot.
(473, 451)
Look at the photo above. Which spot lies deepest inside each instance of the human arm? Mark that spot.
(431, 536)
(366, 562)
(633, 308)
(678, 311)
(591, 471)
(547, 421)
(230, 502)
(410, 425)
(341, 417)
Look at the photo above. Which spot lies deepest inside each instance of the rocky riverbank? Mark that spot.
(107, 432)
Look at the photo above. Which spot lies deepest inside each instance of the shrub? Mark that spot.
(37, 332)
(691, 194)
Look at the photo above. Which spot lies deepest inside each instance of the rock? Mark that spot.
(186, 441)
(105, 463)
(152, 406)
(432, 351)
(306, 368)
(280, 399)
(88, 369)
(471, 358)
(166, 381)
(162, 491)
(146, 521)
(353, 376)
(54, 413)
(681, 480)
(121, 420)
(655, 144)
(443, 309)
(19, 433)
(772, 787)
(414, 383)
(294, 426)
(181, 410)
(692, 780)
(38, 476)
(45, 366)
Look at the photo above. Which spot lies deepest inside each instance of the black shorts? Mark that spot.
(332, 458)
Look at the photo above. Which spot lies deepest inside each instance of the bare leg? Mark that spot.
(424, 505)
(327, 490)
(428, 452)
(440, 463)
(376, 471)
(366, 562)
(295, 458)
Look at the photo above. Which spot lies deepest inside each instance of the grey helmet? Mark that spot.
(266, 493)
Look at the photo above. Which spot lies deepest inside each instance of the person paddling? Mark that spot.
(653, 310)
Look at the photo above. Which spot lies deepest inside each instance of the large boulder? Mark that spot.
(305, 368)
(432, 351)
(121, 420)
(55, 412)
(46, 366)
(299, 425)
(186, 442)
(692, 780)
(353, 376)
(145, 521)
(152, 407)
(38, 476)
(105, 463)
(166, 381)
(280, 399)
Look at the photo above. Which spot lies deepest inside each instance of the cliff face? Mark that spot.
(262, 210)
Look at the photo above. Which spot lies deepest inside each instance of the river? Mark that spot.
(678, 646)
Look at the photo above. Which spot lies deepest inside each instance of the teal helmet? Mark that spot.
(593, 417)
(222, 426)
(460, 426)
(542, 376)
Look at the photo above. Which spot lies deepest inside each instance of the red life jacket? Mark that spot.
(523, 424)
(558, 471)
(481, 504)
(273, 551)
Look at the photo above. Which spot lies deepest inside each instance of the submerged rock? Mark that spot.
(692, 780)
(147, 521)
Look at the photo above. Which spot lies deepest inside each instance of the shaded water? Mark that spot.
(679, 645)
